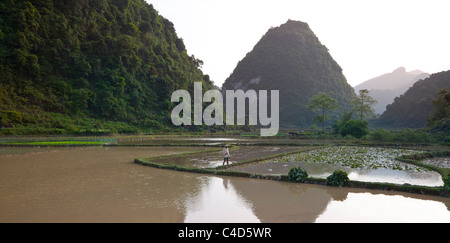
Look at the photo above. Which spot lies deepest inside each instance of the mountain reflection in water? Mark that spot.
(102, 184)
(224, 199)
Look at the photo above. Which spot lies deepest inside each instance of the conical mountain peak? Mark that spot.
(290, 58)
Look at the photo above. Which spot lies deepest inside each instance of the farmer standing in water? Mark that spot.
(226, 154)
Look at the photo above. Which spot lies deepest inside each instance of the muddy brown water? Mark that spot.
(102, 184)
(242, 153)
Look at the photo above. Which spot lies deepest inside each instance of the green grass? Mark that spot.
(57, 143)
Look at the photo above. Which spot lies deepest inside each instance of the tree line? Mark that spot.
(362, 106)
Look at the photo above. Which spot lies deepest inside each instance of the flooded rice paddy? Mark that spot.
(361, 163)
(443, 162)
(102, 184)
(214, 159)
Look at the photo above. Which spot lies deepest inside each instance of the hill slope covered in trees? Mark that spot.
(413, 108)
(99, 64)
(291, 59)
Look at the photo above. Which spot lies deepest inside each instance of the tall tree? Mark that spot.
(322, 102)
(362, 104)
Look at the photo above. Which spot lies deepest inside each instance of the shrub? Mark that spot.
(381, 135)
(447, 182)
(338, 178)
(297, 174)
(413, 135)
(7, 118)
(356, 128)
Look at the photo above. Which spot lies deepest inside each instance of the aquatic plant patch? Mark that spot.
(442, 162)
(356, 157)
(297, 174)
(338, 178)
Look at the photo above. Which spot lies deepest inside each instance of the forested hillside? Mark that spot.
(413, 108)
(90, 64)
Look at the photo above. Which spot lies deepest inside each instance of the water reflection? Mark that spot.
(323, 170)
(366, 207)
(285, 202)
(426, 178)
(288, 202)
(102, 184)
(219, 202)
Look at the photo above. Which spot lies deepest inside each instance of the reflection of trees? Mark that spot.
(338, 194)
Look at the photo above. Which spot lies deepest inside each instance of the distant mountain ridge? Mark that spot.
(413, 108)
(291, 59)
(386, 87)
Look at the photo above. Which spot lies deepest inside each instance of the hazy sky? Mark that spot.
(366, 38)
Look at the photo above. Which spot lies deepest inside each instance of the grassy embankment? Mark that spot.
(55, 141)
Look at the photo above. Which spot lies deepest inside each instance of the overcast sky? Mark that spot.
(366, 38)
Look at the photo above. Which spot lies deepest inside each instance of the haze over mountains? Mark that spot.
(386, 87)
(413, 108)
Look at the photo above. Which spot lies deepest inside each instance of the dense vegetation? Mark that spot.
(413, 108)
(290, 58)
(439, 120)
(98, 67)
(89, 66)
